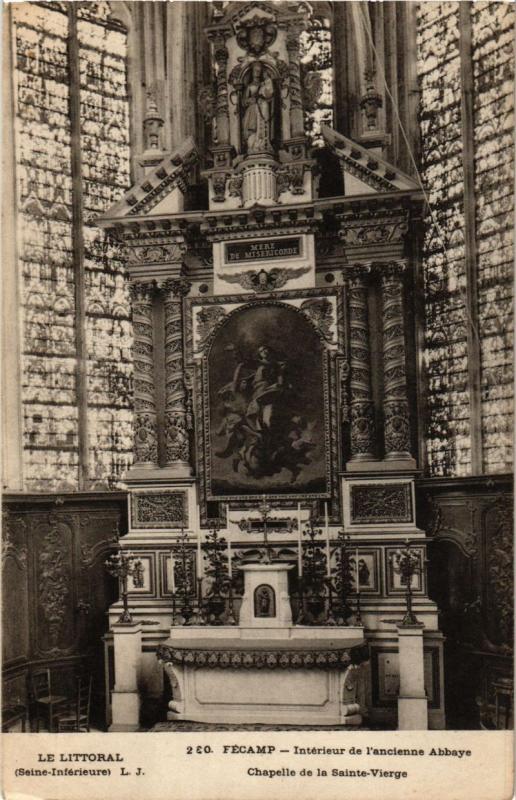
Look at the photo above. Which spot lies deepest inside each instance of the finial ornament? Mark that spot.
(371, 101)
(153, 122)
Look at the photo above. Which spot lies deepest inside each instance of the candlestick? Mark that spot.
(173, 608)
(172, 573)
(199, 552)
(328, 566)
(330, 619)
(299, 543)
(357, 574)
(230, 617)
(201, 614)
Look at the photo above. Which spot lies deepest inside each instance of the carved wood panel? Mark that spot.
(471, 579)
(53, 593)
(55, 588)
(15, 639)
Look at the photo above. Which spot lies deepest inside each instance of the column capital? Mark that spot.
(175, 288)
(357, 274)
(142, 290)
(392, 270)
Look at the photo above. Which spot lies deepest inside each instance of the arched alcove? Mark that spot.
(264, 601)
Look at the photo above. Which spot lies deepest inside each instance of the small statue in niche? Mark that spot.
(264, 605)
(258, 103)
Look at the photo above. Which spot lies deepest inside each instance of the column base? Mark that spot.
(366, 464)
(141, 472)
(156, 473)
(387, 465)
(401, 458)
(179, 469)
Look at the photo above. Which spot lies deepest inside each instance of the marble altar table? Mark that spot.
(294, 675)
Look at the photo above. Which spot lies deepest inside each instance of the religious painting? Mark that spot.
(368, 571)
(267, 406)
(143, 582)
(169, 584)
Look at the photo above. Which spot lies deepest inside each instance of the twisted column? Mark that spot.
(145, 415)
(396, 408)
(177, 442)
(363, 432)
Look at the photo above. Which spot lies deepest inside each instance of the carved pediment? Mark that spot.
(364, 171)
(237, 13)
(161, 190)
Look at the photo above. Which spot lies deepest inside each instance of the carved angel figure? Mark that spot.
(263, 281)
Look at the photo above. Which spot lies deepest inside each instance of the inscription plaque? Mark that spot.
(263, 250)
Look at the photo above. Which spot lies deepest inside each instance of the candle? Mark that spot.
(357, 576)
(328, 568)
(299, 542)
(199, 553)
(172, 573)
(230, 567)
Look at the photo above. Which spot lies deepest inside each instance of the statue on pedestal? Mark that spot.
(258, 102)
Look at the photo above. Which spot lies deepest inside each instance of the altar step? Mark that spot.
(185, 725)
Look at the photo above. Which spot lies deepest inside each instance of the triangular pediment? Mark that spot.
(364, 171)
(162, 189)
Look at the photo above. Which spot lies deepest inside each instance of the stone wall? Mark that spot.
(46, 263)
(447, 314)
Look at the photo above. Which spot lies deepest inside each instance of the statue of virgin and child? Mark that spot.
(258, 107)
